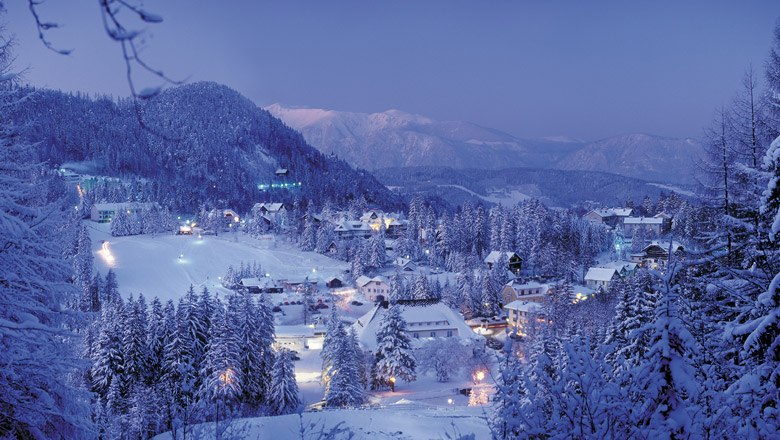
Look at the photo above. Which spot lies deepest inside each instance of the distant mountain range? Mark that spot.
(397, 139)
(450, 187)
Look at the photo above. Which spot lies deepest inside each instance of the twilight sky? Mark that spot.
(530, 68)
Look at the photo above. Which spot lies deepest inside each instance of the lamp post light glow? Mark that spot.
(392, 384)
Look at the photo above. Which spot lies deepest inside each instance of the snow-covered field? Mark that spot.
(402, 421)
(166, 265)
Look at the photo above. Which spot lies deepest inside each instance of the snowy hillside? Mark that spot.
(644, 156)
(397, 139)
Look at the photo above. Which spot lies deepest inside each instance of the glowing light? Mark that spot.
(105, 253)
(449, 401)
(479, 376)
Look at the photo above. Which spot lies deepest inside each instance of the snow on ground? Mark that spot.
(152, 265)
(676, 189)
(402, 421)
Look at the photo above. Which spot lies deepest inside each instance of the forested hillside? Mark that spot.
(201, 143)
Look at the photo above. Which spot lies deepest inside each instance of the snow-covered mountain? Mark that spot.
(643, 156)
(397, 139)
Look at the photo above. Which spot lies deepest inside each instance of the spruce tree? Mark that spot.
(393, 355)
(283, 393)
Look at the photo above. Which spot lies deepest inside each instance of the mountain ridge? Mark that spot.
(394, 138)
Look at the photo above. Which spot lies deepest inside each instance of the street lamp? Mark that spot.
(392, 384)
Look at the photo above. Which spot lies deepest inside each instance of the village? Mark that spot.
(255, 254)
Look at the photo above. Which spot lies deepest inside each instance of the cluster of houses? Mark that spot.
(624, 218)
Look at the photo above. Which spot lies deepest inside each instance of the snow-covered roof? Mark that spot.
(258, 282)
(371, 215)
(602, 212)
(643, 221)
(664, 244)
(619, 265)
(523, 306)
(352, 225)
(362, 280)
(270, 207)
(622, 212)
(281, 171)
(404, 263)
(124, 205)
(517, 284)
(424, 316)
(600, 274)
(494, 256)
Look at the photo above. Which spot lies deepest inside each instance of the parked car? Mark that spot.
(287, 303)
(356, 303)
(322, 306)
(276, 309)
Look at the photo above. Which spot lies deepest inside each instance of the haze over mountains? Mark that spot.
(396, 139)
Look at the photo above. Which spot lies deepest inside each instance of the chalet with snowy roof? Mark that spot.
(624, 268)
(425, 320)
(656, 254)
(334, 283)
(270, 209)
(373, 288)
(519, 313)
(513, 261)
(600, 277)
(104, 212)
(601, 216)
(260, 285)
(524, 290)
(657, 225)
(405, 264)
(348, 229)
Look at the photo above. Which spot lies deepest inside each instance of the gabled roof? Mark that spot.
(623, 212)
(664, 244)
(602, 212)
(352, 225)
(363, 280)
(270, 207)
(517, 284)
(600, 274)
(413, 312)
(404, 263)
(619, 265)
(494, 256)
(524, 306)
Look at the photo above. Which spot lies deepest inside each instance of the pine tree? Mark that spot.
(506, 422)
(82, 267)
(110, 289)
(345, 388)
(120, 224)
(393, 355)
(665, 377)
(283, 393)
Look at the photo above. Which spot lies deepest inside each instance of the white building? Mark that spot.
(526, 291)
(600, 277)
(370, 288)
(425, 319)
(104, 212)
(519, 312)
(348, 229)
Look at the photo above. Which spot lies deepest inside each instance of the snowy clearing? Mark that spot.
(166, 265)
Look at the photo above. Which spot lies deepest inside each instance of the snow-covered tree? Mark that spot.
(393, 355)
(283, 393)
(344, 387)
